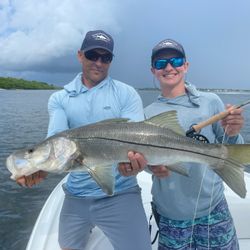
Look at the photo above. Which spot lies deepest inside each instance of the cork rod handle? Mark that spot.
(218, 117)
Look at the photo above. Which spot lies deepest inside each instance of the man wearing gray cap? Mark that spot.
(193, 211)
(91, 97)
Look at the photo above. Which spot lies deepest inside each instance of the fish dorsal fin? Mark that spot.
(115, 120)
(167, 120)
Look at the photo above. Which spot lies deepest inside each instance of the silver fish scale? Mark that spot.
(138, 135)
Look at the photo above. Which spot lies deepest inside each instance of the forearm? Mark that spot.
(57, 117)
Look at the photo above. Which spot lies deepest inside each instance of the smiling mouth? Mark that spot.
(169, 75)
(97, 70)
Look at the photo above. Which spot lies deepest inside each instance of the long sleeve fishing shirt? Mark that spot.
(76, 105)
(178, 197)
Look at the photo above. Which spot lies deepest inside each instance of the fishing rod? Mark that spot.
(193, 132)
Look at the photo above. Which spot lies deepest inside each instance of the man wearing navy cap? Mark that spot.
(91, 97)
(192, 212)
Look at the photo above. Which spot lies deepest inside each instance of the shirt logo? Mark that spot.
(107, 107)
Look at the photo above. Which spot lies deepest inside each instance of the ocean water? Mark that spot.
(23, 122)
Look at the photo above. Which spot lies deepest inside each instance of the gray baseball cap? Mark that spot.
(168, 44)
(97, 39)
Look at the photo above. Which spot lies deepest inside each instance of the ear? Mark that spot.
(152, 70)
(80, 56)
(186, 67)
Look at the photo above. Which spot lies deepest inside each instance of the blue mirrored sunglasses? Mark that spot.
(174, 61)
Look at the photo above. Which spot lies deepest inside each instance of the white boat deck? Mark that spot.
(45, 231)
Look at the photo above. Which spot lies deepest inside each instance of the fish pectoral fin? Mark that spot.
(178, 168)
(233, 175)
(167, 120)
(103, 175)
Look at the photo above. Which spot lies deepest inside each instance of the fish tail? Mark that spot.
(239, 153)
(233, 172)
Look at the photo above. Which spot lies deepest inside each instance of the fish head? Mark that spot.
(26, 161)
(52, 155)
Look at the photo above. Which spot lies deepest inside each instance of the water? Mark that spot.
(23, 122)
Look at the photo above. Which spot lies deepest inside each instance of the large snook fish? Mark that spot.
(94, 148)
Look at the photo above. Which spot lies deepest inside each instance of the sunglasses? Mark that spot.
(94, 56)
(174, 61)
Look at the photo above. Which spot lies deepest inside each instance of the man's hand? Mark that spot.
(233, 123)
(33, 179)
(136, 165)
(159, 171)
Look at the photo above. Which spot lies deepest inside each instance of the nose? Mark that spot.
(99, 61)
(169, 66)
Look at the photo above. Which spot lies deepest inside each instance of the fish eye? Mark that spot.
(30, 151)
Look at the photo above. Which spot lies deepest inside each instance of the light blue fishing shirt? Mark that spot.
(178, 197)
(76, 105)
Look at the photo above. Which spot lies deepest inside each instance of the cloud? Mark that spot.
(39, 39)
(36, 34)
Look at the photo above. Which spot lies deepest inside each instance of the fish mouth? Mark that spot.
(16, 166)
(10, 166)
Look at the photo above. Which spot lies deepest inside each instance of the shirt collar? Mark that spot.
(192, 97)
(76, 86)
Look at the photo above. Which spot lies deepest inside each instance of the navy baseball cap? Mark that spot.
(97, 39)
(168, 44)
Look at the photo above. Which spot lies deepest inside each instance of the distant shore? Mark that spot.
(207, 90)
(15, 83)
(10, 83)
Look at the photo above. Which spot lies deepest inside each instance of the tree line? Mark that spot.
(15, 83)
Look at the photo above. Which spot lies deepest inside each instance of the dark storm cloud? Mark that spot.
(44, 44)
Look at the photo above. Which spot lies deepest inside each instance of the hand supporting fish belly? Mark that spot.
(95, 148)
(136, 165)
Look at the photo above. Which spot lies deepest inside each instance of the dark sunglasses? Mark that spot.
(174, 61)
(94, 56)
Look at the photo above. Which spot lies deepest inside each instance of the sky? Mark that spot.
(39, 39)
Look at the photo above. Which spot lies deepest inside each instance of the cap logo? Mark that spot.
(101, 36)
(165, 44)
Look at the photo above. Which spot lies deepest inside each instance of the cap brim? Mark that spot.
(97, 47)
(160, 50)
